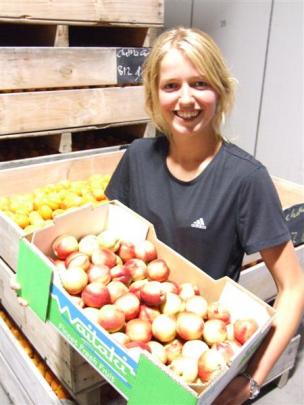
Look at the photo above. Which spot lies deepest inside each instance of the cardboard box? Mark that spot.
(134, 377)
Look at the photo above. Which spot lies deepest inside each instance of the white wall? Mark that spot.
(262, 41)
(281, 133)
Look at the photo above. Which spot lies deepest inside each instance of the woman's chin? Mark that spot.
(187, 130)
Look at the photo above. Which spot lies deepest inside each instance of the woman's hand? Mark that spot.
(236, 393)
(14, 285)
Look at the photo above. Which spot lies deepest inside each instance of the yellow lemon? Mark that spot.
(98, 193)
(36, 218)
(39, 201)
(45, 211)
(22, 220)
(88, 198)
(57, 212)
(53, 200)
(71, 200)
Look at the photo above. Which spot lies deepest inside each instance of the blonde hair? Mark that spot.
(205, 55)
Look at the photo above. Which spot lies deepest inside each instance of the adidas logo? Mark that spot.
(199, 223)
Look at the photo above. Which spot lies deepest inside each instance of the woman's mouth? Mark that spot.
(187, 115)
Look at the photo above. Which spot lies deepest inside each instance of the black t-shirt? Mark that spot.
(232, 207)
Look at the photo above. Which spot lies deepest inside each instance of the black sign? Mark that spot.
(129, 64)
(295, 221)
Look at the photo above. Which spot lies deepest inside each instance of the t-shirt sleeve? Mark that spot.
(119, 185)
(260, 221)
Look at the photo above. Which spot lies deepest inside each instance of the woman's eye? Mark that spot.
(170, 86)
(200, 84)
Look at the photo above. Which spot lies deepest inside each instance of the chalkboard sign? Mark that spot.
(295, 221)
(129, 64)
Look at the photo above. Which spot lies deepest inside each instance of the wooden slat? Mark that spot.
(67, 109)
(64, 361)
(26, 178)
(11, 384)
(143, 12)
(31, 68)
(37, 389)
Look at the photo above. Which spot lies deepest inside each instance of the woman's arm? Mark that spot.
(283, 264)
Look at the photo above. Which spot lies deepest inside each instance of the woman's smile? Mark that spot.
(188, 115)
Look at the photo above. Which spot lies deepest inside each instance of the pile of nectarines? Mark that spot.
(126, 289)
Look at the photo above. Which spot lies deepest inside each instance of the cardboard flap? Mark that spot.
(35, 276)
(92, 220)
(129, 227)
(154, 386)
(235, 298)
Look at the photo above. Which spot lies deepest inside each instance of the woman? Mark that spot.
(208, 199)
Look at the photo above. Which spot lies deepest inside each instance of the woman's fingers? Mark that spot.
(22, 302)
(14, 285)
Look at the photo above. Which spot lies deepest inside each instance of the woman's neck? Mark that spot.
(188, 157)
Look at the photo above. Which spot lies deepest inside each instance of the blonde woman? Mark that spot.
(207, 198)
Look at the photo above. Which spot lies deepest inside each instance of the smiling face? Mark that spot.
(186, 100)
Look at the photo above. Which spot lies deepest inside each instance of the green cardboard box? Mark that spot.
(139, 378)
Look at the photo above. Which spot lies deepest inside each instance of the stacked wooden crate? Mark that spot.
(60, 72)
(63, 88)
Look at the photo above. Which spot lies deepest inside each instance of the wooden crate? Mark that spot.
(290, 193)
(20, 377)
(255, 276)
(258, 280)
(114, 12)
(25, 112)
(26, 178)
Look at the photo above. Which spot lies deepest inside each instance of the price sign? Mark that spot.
(129, 64)
(295, 221)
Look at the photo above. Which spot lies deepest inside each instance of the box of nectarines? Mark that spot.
(156, 327)
(31, 196)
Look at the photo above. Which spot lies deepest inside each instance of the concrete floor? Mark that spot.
(291, 394)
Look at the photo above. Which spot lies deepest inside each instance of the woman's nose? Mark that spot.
(186, 94)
